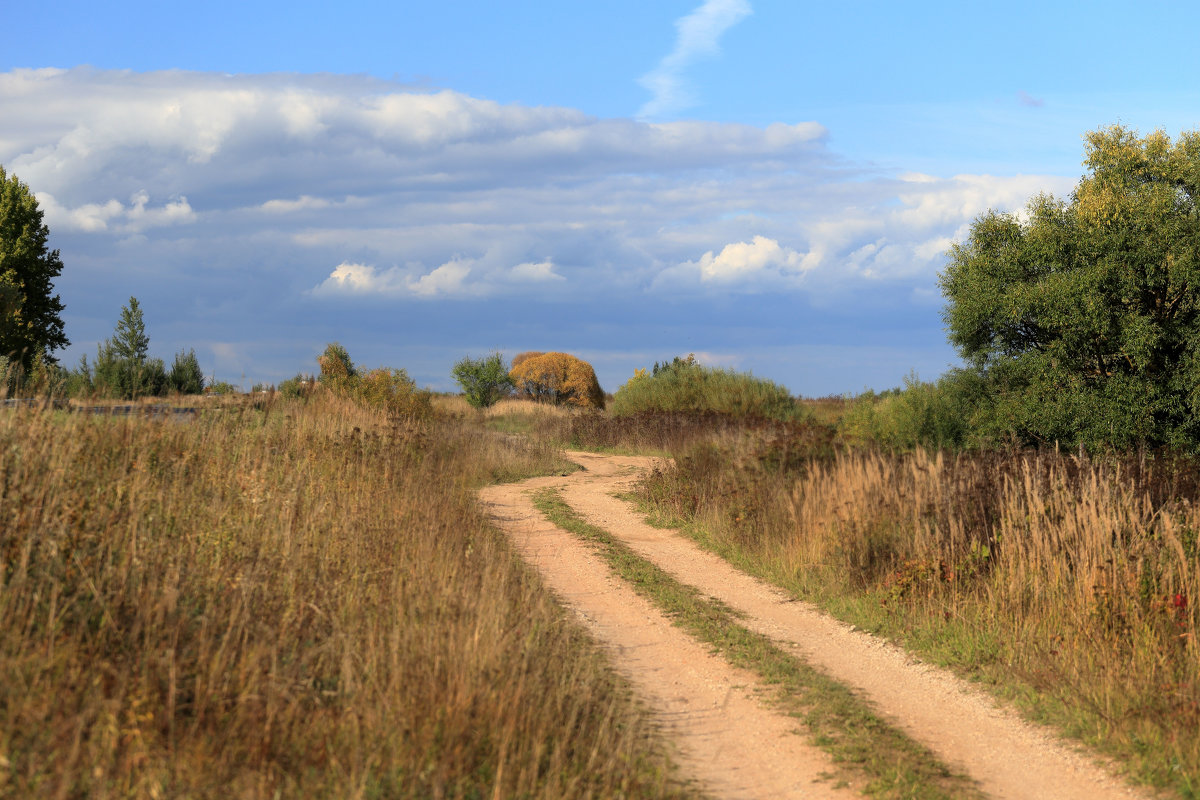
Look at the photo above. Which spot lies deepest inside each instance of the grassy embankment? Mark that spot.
(1067, 584)
(296, 600)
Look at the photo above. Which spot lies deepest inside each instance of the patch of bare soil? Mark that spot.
(730, 742)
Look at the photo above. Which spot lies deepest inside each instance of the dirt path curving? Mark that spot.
(732, 744)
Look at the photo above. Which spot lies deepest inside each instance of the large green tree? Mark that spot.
(30, 321)
(1083, 315)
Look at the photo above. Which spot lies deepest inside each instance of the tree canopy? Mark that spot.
(483, 380)
(557, 378)
(123, 365)
(1083, 315)
(30, 321)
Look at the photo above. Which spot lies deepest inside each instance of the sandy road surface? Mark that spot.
(731, 743)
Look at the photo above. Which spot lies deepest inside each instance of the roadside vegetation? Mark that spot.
(289, 598)
(1066, 584)
(872, 755)
(684, 385)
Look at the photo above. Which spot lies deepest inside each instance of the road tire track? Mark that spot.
(727, 740)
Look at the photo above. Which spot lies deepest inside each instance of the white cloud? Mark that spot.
(112, 214)
(227, 200)
(535, 273)
(699, 34)
(302, 203)
(353, 279)
(742, 260)
(449, 279)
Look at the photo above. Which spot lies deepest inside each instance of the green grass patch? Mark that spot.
(870, 752)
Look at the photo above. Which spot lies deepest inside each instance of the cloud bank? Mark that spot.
(258, 216)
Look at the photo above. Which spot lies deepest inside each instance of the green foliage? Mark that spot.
(30, 321)
(298, 388)
(336, 366)
(79, 382)
(186, 377)
(557, 378)
(937, 416)
(130, 341)
(1083, 317)
(391, 390)
(123, 367)
(483, 380)
(685, 385)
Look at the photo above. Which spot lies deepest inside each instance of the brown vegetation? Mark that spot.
(294, 600)
(1071, 584)
(557, 378)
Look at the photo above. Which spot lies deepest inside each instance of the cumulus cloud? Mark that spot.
(449, 279)
(535, 273)
(742, 260)
(698, 35)
(132, 218)
(226, 202)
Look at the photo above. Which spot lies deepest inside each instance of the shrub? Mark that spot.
(946, 415)
(557, 378)
(299, 387)
(185, 376)
(483, 380)
(685, 385)
(392, 391)
(520, 358)
(335, 364)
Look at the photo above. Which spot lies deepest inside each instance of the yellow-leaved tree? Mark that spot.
(557, 378)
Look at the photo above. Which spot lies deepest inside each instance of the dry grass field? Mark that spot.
(289, 600)
(295, 599)
(1068, 584)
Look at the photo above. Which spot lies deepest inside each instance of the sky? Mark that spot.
(769, 184)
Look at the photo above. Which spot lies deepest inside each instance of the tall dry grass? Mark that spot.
(1071, 584)
(297, 600)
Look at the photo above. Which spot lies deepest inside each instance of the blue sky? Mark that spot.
(771, 185)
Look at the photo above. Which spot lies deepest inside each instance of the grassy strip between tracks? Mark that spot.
(872, 755)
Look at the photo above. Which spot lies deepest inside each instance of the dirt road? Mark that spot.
(728, 740)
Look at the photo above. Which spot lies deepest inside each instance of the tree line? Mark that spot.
(1077, 320)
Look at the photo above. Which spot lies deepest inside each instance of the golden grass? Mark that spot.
(1070, 585)
(297, 600)
(516, 407)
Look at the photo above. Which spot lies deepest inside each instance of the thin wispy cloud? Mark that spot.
(1029, 101)
(699, 35)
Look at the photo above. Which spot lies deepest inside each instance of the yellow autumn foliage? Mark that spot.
(558, 378)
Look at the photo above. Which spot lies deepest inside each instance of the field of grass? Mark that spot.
(1067, 584)
(294, 599)
(289, 600)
